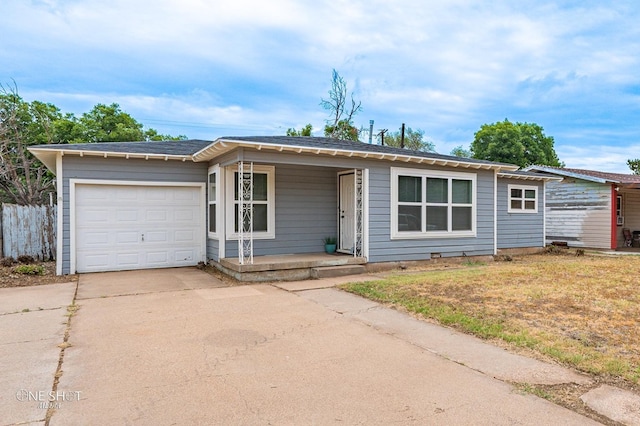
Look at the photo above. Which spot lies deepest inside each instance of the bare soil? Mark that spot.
(10, 278)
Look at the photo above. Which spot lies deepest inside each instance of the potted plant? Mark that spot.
(330, 245)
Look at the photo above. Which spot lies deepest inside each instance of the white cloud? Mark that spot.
(446, 66)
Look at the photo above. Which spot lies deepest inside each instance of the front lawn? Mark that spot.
(582, 311)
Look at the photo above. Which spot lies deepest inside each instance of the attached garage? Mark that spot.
(123, 226)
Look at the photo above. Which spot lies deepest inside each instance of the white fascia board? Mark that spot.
(229, 144)
(48, 155)
(526, 177)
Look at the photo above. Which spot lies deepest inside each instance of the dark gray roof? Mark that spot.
(184, 147)
(195, 148)
(622, 178)
(329, 143)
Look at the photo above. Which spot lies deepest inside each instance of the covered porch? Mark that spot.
(627, 216)
(271, 215)
(287, 267)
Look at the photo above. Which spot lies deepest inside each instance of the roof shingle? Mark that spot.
(621, 178)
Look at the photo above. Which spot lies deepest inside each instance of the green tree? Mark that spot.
(340, 125)
(305, 131)
(523, 144)
(108, 123)
(23, 179)
(343, 129)
(413, 139)
(460, 151)
(634, 165)
(153, 135)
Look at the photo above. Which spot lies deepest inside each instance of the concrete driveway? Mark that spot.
(174, 347)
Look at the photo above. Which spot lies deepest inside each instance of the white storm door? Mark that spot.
(124, 227)
(347, 212)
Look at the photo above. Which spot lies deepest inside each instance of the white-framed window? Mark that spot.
(213, 196)
(619, 210)
(428, 203)
(523, 199)
(263, 204)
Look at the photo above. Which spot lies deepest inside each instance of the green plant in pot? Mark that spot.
(330, 244)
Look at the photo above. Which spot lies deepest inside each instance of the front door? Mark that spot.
(347, 208)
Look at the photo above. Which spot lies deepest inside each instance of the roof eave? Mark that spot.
(48, 155)
(222, 146)
(529, 177)
(566, 173)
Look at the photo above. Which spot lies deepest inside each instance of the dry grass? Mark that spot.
(581, 311)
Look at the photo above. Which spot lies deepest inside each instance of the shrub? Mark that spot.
(502, 258)
(29, 269)
(554, 249)
(329, 240)
(26, 259)
(7, 261)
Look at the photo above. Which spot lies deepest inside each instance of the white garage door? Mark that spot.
(121, 227)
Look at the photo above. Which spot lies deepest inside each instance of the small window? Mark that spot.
(262, 202)
(212, 201)
(523, 199)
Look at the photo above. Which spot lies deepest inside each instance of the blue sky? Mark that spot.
(238, 68)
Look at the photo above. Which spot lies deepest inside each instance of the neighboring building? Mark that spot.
(590, 208)
(139, 205)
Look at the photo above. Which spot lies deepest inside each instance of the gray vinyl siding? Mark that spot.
(76, 167)
(519, 230)
(306, 211)
(212, 249)
(579, 213)
(383, 249)
(296, 232)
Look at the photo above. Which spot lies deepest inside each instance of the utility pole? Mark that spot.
(402, 137)
(381, 134)
(370, 131)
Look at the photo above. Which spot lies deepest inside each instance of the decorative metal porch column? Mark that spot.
(358, 236)
(245, 213)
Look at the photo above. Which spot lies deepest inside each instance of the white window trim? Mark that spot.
(398, 171)
(214, 170)
(522, 210)
(271, 203)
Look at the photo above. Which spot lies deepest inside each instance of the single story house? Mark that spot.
(236, 200)
(589, 208)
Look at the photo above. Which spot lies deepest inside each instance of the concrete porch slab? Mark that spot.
(292, 261)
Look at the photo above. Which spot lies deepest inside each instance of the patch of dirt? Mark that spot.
(10, 278)
(228, 280)
(568, 396)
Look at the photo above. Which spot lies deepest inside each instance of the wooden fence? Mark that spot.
(28, 230)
